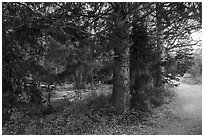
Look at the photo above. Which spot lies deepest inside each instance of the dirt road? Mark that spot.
(185, 116)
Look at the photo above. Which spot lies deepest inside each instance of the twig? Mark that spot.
(13, 27)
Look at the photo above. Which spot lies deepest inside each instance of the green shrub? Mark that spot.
(148, 98)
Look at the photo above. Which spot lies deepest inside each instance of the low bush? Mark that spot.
(147, 99)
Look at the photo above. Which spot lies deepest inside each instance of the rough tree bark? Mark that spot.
(121, 74)
(121, 84)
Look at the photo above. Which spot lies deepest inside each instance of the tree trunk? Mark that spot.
(158, 72)
(121, 84)
(121, 74)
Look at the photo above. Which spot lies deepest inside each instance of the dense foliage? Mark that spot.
(136, 47)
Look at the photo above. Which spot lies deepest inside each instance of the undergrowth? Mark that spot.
(97, 117)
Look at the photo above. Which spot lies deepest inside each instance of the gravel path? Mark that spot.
(185, 116)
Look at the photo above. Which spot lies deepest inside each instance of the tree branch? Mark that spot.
(13, 27)
(37, 12)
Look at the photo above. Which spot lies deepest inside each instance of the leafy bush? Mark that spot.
(148, 98)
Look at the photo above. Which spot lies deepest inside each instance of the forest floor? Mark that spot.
(88, 111)
(183, 116)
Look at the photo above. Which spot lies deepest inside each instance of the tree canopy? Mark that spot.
(83, 42)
